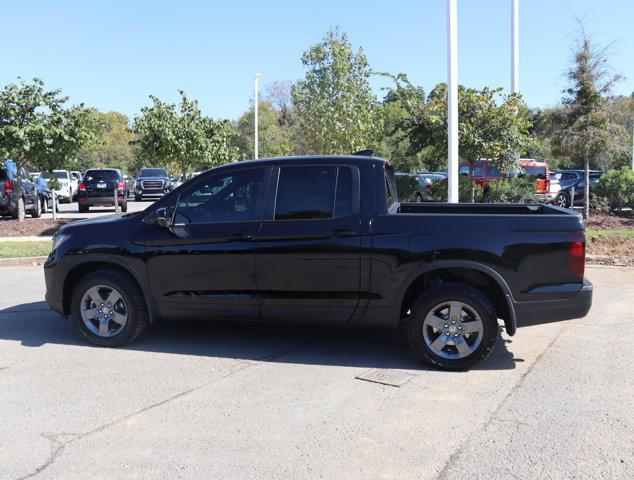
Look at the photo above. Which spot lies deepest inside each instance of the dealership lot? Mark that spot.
(221, 400)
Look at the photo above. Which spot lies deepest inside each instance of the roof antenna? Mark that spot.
(365, 153)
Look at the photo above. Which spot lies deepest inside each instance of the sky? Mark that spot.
(113, 54)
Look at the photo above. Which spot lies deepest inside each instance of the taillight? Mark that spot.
(121, 186)
(8, 187)
(429, 186)
(577, 253)
(82, 187)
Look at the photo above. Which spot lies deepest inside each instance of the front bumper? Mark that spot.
(549, 311)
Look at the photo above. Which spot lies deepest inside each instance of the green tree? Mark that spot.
(491, 125)
(337, 111)
(111, 147)
(181, 137)
(38, 130)
(583, 127)
(274, 138)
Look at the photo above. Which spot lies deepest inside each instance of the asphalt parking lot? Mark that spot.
(221, 400)
(71, 210)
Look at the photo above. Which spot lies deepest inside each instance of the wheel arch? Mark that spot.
(86, 266)
(479, 276)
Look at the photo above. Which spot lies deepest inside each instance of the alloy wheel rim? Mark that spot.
(104, 311)
(453, 330)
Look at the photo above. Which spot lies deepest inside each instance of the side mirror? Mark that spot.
(163, 217)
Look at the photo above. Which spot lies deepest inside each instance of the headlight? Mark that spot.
(60, 239)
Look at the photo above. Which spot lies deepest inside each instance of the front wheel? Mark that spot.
(109, 308)
(562, 200)
(453, 327)
(36, 211)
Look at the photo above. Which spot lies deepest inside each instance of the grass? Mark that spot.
(25, 249)
(610, 233)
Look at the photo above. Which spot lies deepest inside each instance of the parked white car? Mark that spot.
(75, 180)
(64, 190)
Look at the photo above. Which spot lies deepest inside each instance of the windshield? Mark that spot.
(153, 172)
(61, 175)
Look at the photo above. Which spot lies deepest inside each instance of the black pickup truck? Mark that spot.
(322, 239)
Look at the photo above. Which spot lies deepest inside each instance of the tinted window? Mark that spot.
(494, 172)
(388, 193)
(222, 198)
(537, 172)
(61, 175)
(343, 196)
(101, 176)
(153, 172)
(464, 170)
(305, 192)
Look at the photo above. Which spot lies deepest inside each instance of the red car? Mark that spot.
(483, 173)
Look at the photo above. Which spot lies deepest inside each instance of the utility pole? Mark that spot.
(452, 101)
(515, 47)
(257, 79)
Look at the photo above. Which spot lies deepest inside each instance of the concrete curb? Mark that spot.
(22, 261)
(27, 239)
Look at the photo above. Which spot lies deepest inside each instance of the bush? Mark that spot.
(406, 186)
(438, 190)
(512, 190)
(618, 187)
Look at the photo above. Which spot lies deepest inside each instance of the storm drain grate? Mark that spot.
(385, 377)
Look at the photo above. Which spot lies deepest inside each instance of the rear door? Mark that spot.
(308, 258)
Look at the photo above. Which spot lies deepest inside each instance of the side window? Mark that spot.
(221, 198)
(388, 193)
(305, 192)
(344, 198)
(477, 171)
(494, 172)
(463, 170)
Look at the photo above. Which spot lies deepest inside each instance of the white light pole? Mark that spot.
(257, 79)
(515, 48)
(452, 101)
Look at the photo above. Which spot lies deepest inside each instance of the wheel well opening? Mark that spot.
(80, 271)
(475, 278)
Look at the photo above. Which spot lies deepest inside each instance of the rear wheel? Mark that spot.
(36, 211)
(124, 207)
(452, 327)
(83, 208)
(109, 308)
(44, 205)
(137, 198)
(419, 198)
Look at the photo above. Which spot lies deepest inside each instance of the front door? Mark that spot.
(308, 260)
(205, 267)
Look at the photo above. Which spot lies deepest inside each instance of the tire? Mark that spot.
(83, 208)
(36, 211)
(124, 207)
(132, 303)
(19, 213)
(44, 205)
(137, 198)
(473, 304)
(562, 200)
(419, 198)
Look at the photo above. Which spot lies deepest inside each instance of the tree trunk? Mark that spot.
(586, 188)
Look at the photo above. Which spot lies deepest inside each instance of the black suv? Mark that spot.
(16, 204)
(151, 182)
(97, 189)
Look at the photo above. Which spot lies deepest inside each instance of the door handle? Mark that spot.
(343, 233)
(238, 237)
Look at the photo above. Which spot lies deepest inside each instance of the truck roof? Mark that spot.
(299, 159)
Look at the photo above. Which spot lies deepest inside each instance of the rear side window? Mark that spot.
(537, 172)
(344, 194)
(305, 192)
(494, 172)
